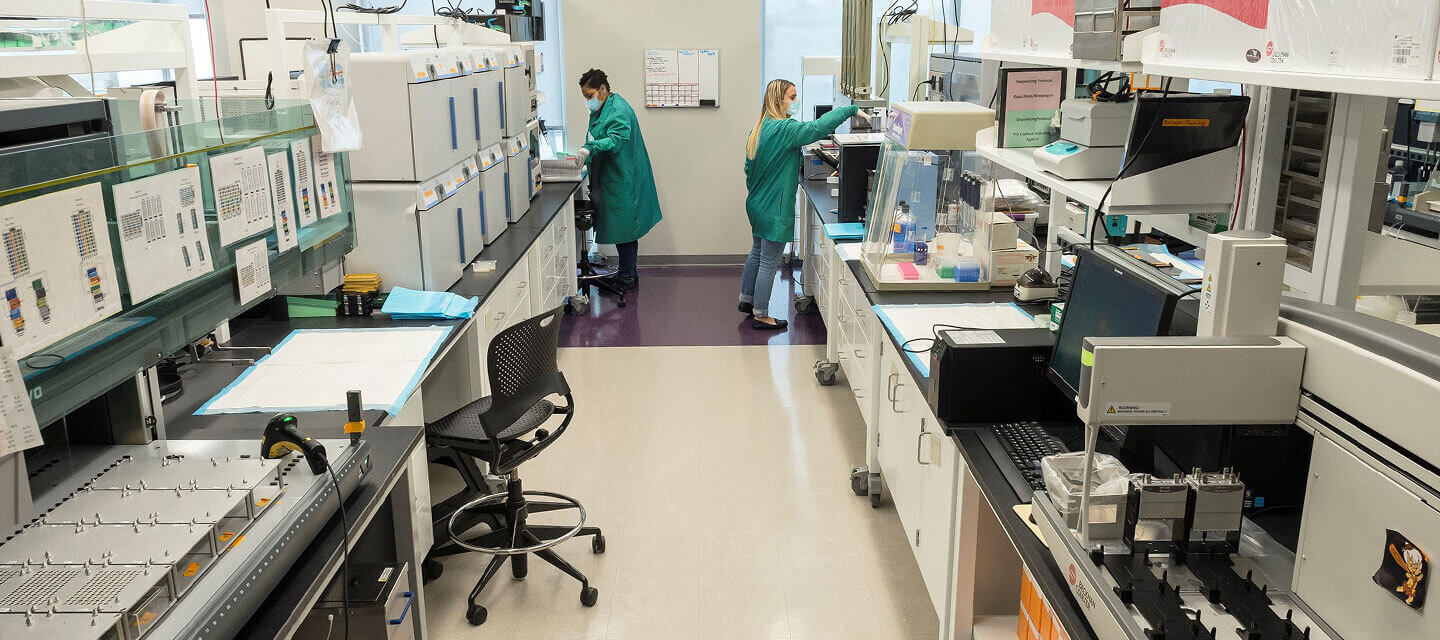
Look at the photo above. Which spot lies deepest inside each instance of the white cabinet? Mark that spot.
(552, 263)
(920, 466)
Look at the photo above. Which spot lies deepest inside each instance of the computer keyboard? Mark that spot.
(1022, 444)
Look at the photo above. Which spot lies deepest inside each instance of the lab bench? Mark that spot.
(950, 494)
(390, 513)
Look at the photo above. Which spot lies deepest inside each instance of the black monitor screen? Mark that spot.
(1111, 297)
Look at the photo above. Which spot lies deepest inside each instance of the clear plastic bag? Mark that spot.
(1062, 478)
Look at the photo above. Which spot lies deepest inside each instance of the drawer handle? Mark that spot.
(859, 353)
(890, 387)
(895, 401)
(919, 444)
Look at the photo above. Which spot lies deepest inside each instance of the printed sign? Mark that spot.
(1137, 409)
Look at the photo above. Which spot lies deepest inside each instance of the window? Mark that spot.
(794, 29)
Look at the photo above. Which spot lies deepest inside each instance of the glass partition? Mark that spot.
(142, 329)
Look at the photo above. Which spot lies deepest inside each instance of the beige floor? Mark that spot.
(719, 475)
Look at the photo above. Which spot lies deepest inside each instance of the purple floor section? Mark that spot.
(688, 306)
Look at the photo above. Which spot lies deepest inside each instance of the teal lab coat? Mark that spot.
(623, 187)
(772, 176)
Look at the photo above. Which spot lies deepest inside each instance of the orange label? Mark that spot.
(190, 570)
(897, 227)
(225, 537)
(237, 541)
(355, 427)
(145, 618)
(1185, 122)
(262, 502)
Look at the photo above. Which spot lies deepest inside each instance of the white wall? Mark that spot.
(697, 154)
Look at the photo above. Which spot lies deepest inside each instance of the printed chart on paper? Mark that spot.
(59, 274)
(242, 194)
(162, 232)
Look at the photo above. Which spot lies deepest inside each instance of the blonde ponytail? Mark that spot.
(771, 106)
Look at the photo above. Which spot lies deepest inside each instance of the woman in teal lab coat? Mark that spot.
(621, 183)
(772, 172)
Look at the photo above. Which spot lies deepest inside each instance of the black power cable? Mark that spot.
(344, 551)
(1100, 206)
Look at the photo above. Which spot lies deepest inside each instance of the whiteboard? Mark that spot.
(682, 78)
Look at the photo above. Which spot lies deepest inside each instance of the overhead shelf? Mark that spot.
(1059, 61)
(1152, 63)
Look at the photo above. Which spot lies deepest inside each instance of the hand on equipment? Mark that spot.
(582, 154)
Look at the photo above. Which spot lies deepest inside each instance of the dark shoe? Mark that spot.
(747, 308)
(628, 286)
(765, 326)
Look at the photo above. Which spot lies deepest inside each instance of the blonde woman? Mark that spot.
(772, 171)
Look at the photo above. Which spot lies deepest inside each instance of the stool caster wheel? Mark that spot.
(476, 614)
(577, 305)
(519, 566)
(597, 544)
(589, 596)
(431, 570)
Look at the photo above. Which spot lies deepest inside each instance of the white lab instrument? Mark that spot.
(1095, 124)
(494, 199)
(421, 104)
(1243, 280)
(1073, 161)
(486, 97)
(415, 233)
(515, 94)
(518, 176)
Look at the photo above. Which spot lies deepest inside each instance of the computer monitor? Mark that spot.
(1112, 295)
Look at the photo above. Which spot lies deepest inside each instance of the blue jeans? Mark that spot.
(758, 280)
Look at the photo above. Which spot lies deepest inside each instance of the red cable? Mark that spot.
(214, 75)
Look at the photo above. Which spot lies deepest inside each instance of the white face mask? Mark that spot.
(794, 110)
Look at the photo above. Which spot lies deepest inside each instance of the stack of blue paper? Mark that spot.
(409, 304)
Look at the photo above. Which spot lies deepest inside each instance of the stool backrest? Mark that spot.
(523, 370)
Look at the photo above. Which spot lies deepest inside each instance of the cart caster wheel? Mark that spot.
(476, 614)
(805, 305)
(519, 567)
(576, 307)
(431, 570)
(786, 260)
(589, 596)
(825, 378)
(860, 481)
(874, 501)
(597, 544)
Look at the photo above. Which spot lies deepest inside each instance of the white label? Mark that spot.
(1137, 409)
(975, 337)
(385, 575)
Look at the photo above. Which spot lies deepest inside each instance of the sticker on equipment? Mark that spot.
(1139, 409)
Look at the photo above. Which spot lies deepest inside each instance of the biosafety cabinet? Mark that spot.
(518, 176)
(419, 235)
(494, 192)
(430, 108)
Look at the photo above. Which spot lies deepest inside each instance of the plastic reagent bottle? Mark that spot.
(904, 229)
(922, 248)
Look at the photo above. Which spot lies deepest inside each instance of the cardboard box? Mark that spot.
(1009, 264)
(1379, 38)
(1004, 233)
(1009, 24)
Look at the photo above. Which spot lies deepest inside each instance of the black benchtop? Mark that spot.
(510, 247)
(986, 470)
(818, 191)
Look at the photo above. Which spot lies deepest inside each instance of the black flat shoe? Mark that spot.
(747, 308)
(765, 326)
